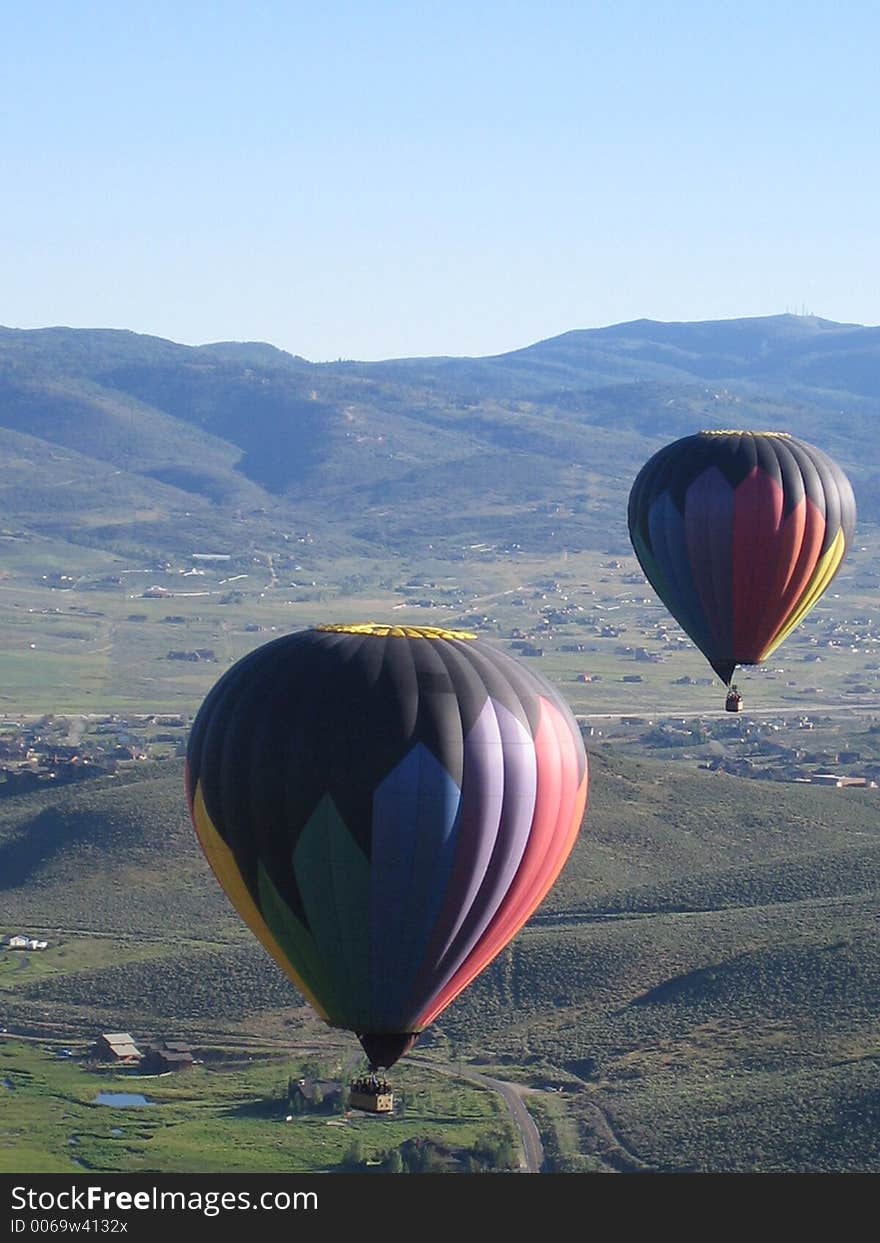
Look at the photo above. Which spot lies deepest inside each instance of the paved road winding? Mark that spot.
(532, 1150)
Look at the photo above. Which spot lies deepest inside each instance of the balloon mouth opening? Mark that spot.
(725, 669)
(383, 1049)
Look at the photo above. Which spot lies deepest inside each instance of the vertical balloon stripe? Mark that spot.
(224, 790)
(708, 525)
(559, 809)
(825, 571)
(334, 878)
(252, 753)
(784, 586)
(257, 763)
(558, 744)
(803, 573)
(517, 816)
(670, 548)
(225, 868)
(569, 812)
(399, 671)
(298, 946)
(757, 517)
(666, 589)
(656, 575)
(482, 796)
(415, 830)
(847, 502)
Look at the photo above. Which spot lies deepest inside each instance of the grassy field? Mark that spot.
(218, 1118)
(93, 642)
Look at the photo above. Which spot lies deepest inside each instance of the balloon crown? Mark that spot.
(396, 632)
(739, 431)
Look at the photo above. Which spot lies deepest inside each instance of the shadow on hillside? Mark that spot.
(692, 986)
(43, 839)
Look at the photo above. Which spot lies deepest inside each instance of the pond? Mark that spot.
(122, 1100)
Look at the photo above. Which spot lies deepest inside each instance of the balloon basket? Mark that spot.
(372, 1094)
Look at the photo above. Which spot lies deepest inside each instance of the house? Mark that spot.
(314, 1094)
(834, 779)
(20, 941)
(117, 1047)
(165, 1056)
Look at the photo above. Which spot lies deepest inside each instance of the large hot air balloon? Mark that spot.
(740, 533)
(385, 807)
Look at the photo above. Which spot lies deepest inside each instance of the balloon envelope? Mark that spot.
(385, 807)
(740, 533)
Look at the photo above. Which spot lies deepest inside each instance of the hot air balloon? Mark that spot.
(385, 807)
(740, 533)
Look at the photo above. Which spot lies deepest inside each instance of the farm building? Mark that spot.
(21, 941)
(165, 1056)
(117, 1047)
(314, 1094)
(833, 779)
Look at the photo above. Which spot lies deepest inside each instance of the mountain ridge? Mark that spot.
(248, 435)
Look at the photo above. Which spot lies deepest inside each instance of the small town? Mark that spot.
(55, 751)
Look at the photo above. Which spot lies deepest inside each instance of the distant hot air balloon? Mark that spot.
(740, 533)
(385, 807)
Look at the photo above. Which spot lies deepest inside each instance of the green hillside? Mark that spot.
(128, 443)
(702, 980)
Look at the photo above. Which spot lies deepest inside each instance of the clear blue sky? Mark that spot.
(378, 179)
